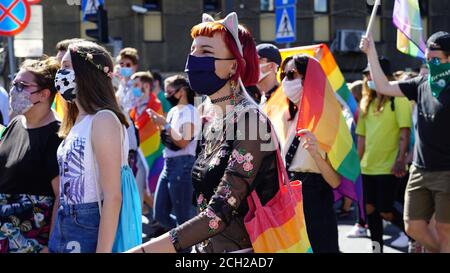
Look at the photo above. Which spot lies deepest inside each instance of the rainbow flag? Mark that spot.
(406, 18)
(59, 105)
(322, 53)
(150, 142)
(324, 89)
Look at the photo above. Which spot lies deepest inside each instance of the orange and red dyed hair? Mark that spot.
(247, 65)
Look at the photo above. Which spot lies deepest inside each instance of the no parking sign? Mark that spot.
(14, 16)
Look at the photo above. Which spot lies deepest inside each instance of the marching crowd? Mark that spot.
(193, 146)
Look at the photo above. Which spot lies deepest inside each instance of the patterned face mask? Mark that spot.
(20, 101)
(65, 84)
(439, 76)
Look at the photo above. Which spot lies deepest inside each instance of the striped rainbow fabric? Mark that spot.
(406, 18)
(331, 69)
(150, 142)
(59, 105)
(322, 114)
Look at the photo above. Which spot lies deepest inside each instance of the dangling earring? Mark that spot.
(233, 86)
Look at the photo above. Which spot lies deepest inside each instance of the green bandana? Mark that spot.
(439, 76)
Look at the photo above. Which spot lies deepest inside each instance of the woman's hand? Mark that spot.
(158, 119)
(309, 142)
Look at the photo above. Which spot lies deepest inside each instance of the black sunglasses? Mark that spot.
(20, 87)
(290, 75)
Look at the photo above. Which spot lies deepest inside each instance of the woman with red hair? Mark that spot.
(237, 154)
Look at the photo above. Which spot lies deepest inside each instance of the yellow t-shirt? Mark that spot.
(382, 132)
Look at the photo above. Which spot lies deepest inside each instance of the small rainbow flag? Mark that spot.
(406, 18)
(150, 142)
(322, 114)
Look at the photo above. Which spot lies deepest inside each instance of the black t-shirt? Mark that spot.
(432, 134)
(28, 158)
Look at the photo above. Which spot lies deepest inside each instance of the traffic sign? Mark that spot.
(285, 21)
(14, 16)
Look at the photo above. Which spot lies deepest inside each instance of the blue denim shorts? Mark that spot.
(75, 229)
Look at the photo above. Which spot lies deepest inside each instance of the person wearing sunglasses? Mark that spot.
(428, 189)
(29, 172)
(305, 161)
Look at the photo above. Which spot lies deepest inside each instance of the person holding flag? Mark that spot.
(428, 189)
(305, 159)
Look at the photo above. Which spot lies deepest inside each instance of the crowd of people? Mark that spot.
(198, 143)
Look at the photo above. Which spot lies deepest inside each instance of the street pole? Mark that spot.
(12, 63)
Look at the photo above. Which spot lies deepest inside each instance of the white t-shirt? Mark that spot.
(78, 167)
(178, 116)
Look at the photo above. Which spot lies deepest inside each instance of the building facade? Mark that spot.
(161, 31)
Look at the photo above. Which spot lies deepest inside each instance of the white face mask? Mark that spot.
(293, 89)
(262, 75)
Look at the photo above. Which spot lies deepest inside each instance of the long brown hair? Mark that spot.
(94, 92)
(368, 96)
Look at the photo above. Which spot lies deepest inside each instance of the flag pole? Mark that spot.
(372, 17)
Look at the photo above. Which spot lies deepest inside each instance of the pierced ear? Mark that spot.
(233, 68)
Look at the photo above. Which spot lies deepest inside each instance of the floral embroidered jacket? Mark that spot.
(237, 155)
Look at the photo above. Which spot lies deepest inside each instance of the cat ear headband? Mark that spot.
(230, 22)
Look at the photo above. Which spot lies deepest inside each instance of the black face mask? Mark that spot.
(174, 101)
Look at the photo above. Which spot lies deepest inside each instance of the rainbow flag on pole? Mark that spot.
(150, 142)
(406, 18)
(324, 87)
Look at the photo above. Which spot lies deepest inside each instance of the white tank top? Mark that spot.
(78, 167)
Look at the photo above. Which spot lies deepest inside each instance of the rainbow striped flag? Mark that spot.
(406, 18)
(150, 142)
(59, 105)
(321, 112)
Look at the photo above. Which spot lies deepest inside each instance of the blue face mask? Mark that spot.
(126, 72)
(371, 85)
(202, 75)
(137, 92)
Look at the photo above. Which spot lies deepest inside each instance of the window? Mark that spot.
(153, 27)
(267, 27)
(267, 5)
(321, 21)
(152, 4)
(321, 6)
(376, 28)
(321, 28)
(211, 5)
